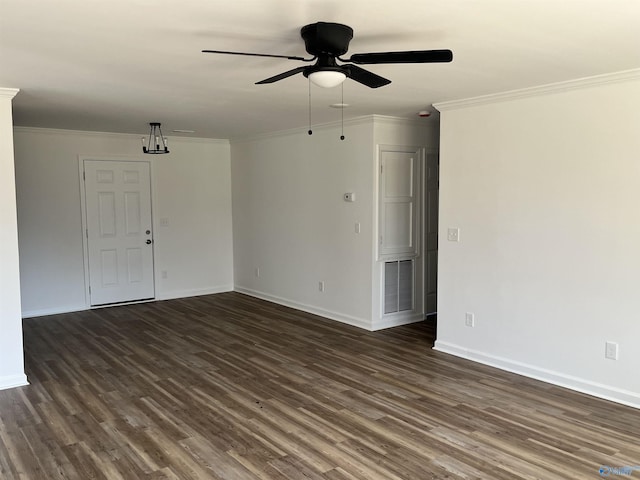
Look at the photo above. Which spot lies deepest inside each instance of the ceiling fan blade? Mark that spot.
(258, 55)
(281, 76)
(365, 77)
(409, 56)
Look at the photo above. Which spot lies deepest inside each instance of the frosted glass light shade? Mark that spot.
(327, 79)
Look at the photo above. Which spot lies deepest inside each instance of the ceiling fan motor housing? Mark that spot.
(326, 38)
(326, 42)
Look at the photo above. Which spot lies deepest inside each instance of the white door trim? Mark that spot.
(83, 208)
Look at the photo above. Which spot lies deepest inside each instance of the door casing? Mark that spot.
(83, 205)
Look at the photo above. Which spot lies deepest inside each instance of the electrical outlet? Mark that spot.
(453, 234)
(469, 319)
(611, 350)
(321, 286)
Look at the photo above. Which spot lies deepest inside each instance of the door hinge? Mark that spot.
(86, 232)
(84, 175)
(380, 169)
(380, 239)
(89, 289)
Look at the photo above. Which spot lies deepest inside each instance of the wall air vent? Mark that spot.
(398, 286)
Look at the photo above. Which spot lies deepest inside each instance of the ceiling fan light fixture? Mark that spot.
(327, 78)
(327, 42)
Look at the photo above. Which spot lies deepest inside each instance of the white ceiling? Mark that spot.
(116, 65)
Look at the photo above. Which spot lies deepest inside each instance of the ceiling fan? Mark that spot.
(326, 42)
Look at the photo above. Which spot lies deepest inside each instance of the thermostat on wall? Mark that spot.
(349, 197)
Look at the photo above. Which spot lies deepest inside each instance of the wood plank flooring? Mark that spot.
(230, 387)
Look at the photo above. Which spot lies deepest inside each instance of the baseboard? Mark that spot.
(13, 381)
(390, 322)
(163, 296)
(193, 293)
(581, 385)
(53, 311)
(339, 317)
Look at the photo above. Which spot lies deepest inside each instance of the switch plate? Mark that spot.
(453, 234)
(611, 350)
(321, 286)
(357, 228)
(469, 319)
(257, 271)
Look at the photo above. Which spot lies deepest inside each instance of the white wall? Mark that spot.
(191, 189)
(544, 185)
(11, 356)
(290, 221)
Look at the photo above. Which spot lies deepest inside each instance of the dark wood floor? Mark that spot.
(230, 387)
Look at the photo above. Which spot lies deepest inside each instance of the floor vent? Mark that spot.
(398, 286)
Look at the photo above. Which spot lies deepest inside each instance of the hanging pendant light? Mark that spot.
(156, 143)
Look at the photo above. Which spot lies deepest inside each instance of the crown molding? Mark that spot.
(85, 133)
(8, 92)
(617, 77)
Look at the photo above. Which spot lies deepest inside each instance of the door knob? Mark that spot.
(149, 242)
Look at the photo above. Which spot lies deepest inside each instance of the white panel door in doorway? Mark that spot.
(119, 232)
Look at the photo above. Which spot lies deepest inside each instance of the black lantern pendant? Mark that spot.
(156, 143)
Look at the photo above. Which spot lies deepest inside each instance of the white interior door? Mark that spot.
(119, 233)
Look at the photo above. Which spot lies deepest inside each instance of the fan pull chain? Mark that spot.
(342, 113)
(310, 131)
